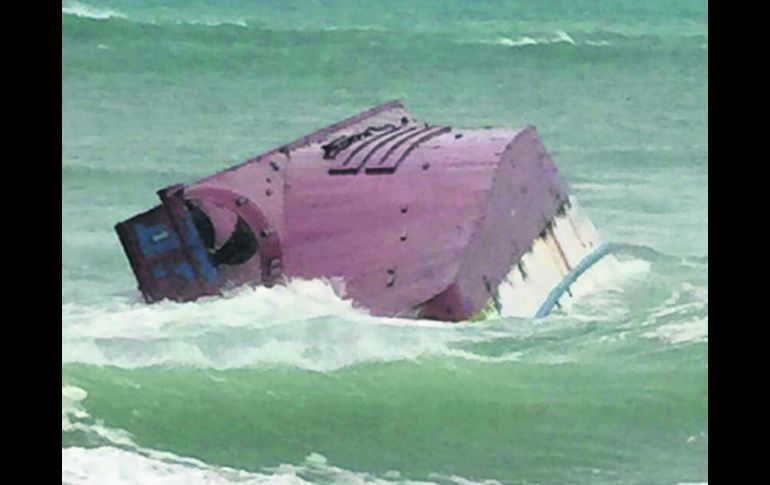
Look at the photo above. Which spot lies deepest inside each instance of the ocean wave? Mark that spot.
(303, 324)
(560, 37)
(215, 22)
(695, 330)
(83, 10)
(118, 459)
(356, 28)
(686, 297)
(76, 419)
(578, 35)
(510, 33)
(306, 325)
(84, 466)
(650, 254)
(681, 318)
(88, 12)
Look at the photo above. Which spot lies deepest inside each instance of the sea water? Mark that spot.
(292, 384)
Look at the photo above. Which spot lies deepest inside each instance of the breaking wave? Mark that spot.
(83, 10)
(559, 38)
(306, 325)
(116, 459)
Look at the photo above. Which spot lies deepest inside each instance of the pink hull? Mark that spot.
(416, 220)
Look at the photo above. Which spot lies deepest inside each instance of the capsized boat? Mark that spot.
(411, 219)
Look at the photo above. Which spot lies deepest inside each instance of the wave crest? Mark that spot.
(83, 10)
(560, 37)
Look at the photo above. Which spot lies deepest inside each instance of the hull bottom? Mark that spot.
(567, 261)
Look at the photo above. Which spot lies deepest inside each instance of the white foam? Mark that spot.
(694, 330)
(116, 466)
(245, 307)
(121, 461)
(98, 466)
(84, 10)
(679, 318)
(303, 324)
(562, 36)
(75, 418)
(87, 11)
(686, 300)
(518, 42)
(559, 37)
(215, 22)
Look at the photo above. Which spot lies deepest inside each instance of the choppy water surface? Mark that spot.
(293, 385)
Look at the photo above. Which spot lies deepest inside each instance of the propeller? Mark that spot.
(240, 246)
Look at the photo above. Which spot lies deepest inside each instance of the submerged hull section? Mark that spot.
(415, 220)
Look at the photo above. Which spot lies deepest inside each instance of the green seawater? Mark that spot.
(293, 385)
